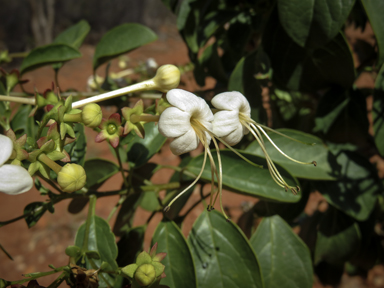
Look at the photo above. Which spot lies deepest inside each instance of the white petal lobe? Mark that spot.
(185, 143)
(6, 148)
(173, 122)
(232, 101)
(14, 180)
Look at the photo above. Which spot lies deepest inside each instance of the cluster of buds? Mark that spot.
(147, 271)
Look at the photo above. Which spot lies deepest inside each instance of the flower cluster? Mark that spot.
(190, 121)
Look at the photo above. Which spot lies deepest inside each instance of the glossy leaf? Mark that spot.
(338, 238)
(356, 188)
(179, 266)
(127, 210)
(130, 245)
(307, 70)
(121, 39)
(378, 111)
(299, 151)
(222, 254)
(375, 12)
(21, 123)
(77, 149)
(98, 171)
(285, 260)
(102, 240)
(149, 201)
(49, 54)
(313, 23)
(244, 178)
(242, 79)
(74, 35)
(141, 150)
(38, 209)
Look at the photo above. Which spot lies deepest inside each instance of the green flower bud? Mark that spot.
(73, 251)
(92, 115)
(145, 274)
(167, 77)
(71, 177)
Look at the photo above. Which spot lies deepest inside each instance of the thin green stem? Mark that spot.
(38, 275)
(18, 54)
(49, 162)
(126, 185)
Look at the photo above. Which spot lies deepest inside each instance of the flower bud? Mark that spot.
(167, 77)
(92, 115)
(145, 274)
(71, 177)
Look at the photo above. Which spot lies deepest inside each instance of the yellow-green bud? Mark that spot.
(92, 115)
(71, 177)
(145, 274)
(167, 77)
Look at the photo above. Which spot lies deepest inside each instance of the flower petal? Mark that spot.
(14, 180)
(232, 101)
(227, 125)
(6, 148)
(185, 143)
(174, 123)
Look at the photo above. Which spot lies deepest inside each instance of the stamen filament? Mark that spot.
(278, 149)
(281, 134)
(189, 186)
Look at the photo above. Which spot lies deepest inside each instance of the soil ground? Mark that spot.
(33, 249)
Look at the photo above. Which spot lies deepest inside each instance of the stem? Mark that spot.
(50, 163)
(73, 118)
(18, 54)
(38, 275)
(144, 118)
(58, 281)
(91, 213)
(146, 85)
(23, 100)
(57, 79)
(64, 196)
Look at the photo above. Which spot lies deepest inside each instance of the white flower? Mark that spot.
(227, 122)
(233, 121)
(189, 121)
(14, 179)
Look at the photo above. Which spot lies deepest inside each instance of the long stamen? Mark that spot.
(278, 149)
(220, 180)
(189, 186)
(213, 170)
(281, 134)
(276, 176)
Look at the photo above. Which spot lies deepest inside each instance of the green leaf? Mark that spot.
(38, 209)
(299, 151)
(307, 70)
(242, 79)
(141, 150)
(245, 178)
(375, 12)
(49, 54)
(338, 238)
(179, 266)
(133, 239)
(74, 35)
(77, 149)
(149, 201)
(222, 254)
(21, 123)
(378, 111)
(285, 260)
(121, 39)
(356, 188)
(102, 240)
(127, 210)
(98, 171)
(313, 23)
